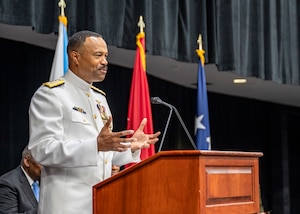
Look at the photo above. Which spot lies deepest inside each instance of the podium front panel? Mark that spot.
(193, 182)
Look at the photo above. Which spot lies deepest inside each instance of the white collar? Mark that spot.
(30, 180)
(74, 79)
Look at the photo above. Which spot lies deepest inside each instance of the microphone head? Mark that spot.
(156, 100)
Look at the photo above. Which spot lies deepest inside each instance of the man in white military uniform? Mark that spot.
(71, 131)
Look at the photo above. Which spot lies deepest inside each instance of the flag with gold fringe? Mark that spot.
(139, 100)
(202, 129)
(60, 60)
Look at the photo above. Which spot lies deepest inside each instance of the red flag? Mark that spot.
(139, 101)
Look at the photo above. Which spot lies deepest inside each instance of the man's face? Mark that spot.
(33, 168)
(115, 169)
(92, 60)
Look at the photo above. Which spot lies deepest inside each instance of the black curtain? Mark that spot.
(236, 123)
(259, 38)
(250, 37)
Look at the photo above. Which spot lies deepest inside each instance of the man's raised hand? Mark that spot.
(143, 140)
(114, 141)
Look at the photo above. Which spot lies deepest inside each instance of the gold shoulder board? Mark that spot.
(54, 83)
(98, 90)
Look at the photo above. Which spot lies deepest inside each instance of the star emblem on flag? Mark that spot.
(199, 124)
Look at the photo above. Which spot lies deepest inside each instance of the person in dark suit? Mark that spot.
(115, 169)
(16, 193)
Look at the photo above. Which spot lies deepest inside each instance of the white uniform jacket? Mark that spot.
(64, 122)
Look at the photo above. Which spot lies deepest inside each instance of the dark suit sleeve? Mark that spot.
(9, 199)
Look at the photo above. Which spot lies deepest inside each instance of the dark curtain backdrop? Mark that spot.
(236, 123)
(257, 38)
(251, 37)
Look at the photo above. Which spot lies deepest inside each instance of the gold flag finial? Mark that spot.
(62, 5)
(200, 51)
(141, 24)
(199, 41)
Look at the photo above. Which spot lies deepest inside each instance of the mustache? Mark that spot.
(102, 67)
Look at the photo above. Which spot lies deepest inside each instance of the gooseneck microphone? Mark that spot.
(157, 100)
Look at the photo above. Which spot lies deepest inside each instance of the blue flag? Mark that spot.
(202, 129)
(60, 61)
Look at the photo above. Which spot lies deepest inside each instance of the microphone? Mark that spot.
(157, 100)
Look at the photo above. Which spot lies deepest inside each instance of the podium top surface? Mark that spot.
(209, 153)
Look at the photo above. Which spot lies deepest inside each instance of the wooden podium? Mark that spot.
(183, 181)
